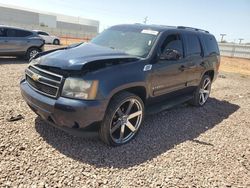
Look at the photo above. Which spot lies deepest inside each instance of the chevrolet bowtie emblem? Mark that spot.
(35, 77)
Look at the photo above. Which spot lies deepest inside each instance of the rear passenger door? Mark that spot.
(194, 58)
(17, 41)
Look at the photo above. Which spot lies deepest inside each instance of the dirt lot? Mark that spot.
(184, 146)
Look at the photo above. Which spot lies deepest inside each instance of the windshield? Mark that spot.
(136, 42)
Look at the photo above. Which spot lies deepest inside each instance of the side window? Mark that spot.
(3, 32)
(18, 33)
(11, 33)
(172, 42)
(43, 33)
(193, 44)
(211, 44)
(22, 33)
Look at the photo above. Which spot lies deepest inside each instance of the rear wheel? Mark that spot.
(202, 92)
(122, 120)
(56, 42)
(31, 52)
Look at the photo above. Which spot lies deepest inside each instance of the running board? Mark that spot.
(159, 107)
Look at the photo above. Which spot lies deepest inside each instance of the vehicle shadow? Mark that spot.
(12, 60)
(159, 133)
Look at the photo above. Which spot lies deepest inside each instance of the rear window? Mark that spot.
(2, 32)
(43, 33)
(18, 33)
(211, 44)
(193, 44)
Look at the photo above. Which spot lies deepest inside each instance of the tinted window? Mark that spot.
(172, 42)
(3, 32)
(42, 33)
(211, 44)
(18, 33)
(193, 45)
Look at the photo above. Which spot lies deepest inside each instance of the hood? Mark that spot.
(77, 56)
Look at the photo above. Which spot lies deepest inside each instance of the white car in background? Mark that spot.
(49, 39)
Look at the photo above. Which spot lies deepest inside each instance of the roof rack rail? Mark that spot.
(183, 27)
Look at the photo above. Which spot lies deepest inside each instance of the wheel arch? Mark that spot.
(33, 47)
(210, 73)
(139, 91)
(56, 39)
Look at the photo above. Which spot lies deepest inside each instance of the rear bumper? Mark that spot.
(64, 113)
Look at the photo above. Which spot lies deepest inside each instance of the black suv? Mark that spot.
(122, 74)
(19, 42)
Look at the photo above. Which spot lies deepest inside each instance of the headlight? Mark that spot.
(80, 89)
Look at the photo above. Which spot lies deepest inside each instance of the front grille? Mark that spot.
(43, 81)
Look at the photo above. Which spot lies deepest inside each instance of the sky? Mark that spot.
(231, 17)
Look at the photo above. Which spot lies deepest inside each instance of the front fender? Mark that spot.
(121, 77)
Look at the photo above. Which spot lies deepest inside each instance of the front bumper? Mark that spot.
(63, 112)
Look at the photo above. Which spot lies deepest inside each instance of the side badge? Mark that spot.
(147, 67)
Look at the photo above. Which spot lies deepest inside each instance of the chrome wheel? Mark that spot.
(33, 53)
(126, 121)
(204, 91)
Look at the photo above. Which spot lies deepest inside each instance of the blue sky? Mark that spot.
(218, 16)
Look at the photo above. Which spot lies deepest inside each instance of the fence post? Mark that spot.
(233, 50)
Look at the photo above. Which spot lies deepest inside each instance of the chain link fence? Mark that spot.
(235, 50)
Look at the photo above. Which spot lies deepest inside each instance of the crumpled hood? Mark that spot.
(74, 58)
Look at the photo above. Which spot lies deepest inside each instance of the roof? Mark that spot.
(159, 28)
(13, 27)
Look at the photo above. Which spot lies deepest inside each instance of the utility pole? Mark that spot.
(145, 20)
(240, 40)
(222, 37)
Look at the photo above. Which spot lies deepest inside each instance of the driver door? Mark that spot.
(168, 75)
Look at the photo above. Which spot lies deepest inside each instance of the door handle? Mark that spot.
(182, 68)
(202, 63)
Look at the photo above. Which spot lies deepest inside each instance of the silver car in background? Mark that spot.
(19, 42)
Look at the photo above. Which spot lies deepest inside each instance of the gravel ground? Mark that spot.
(184, 146)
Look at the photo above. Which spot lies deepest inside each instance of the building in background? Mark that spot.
(57, 24)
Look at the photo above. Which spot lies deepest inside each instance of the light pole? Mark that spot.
(145, 20)
(240, 40)
(222, 37)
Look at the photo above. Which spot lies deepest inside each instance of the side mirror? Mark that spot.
(170, 54)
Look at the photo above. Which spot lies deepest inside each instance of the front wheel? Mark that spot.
(122, 120)
(202, 92)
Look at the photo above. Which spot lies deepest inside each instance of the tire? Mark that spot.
(31, 52)
(56, 42)
(122, 120)
(204, 89)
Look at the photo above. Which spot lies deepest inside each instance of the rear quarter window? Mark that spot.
(43, 33)
(211, 44)
(193, 46)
